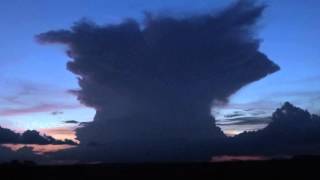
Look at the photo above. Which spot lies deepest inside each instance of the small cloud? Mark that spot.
(54, 113)
(71, 122)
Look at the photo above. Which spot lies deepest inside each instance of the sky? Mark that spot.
(36, 86)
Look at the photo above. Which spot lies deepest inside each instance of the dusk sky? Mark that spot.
(36, 88)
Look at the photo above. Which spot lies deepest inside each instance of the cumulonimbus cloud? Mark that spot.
(152, 85)
(292, 131)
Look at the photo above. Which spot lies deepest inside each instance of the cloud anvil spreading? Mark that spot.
(153, 84)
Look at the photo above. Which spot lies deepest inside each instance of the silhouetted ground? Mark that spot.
(300, 167)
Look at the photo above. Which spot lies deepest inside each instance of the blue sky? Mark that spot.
(34, 81)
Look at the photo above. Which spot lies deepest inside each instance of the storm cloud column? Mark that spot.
(152, 85)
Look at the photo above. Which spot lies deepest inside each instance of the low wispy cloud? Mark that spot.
(257, 109)
(22, 92)
(54, 113)
(37, 109)
(245, 121)
(235, 114)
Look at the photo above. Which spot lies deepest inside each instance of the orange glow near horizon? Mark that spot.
(60, 133)
(232, 132)
(238, 158)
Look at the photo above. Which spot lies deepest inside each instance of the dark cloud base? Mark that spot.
(291, 132)
(24, 154)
